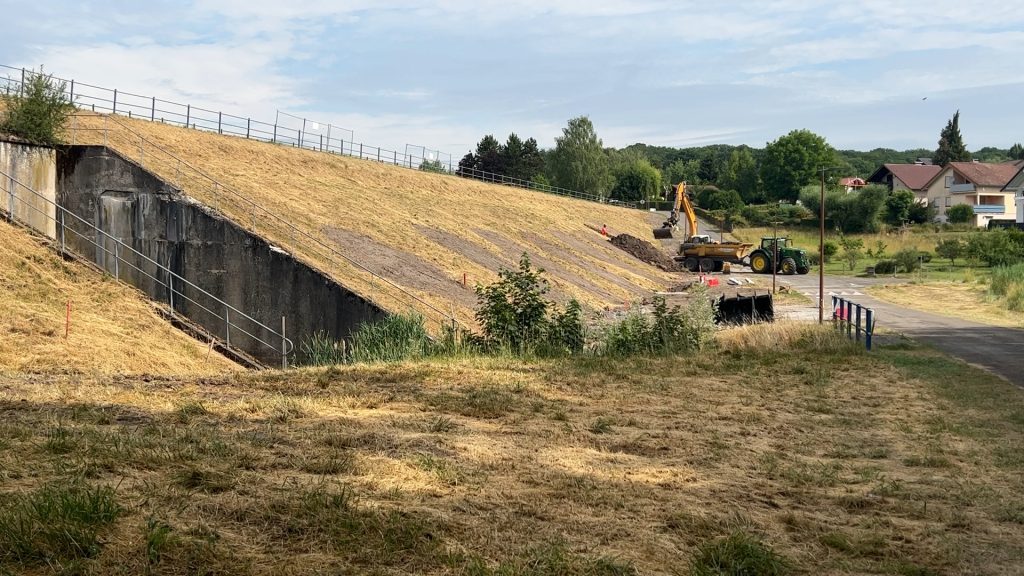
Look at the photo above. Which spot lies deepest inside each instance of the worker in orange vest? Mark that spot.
(604, 230)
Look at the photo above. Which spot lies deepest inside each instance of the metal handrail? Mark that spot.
(121, 249)
(216, 121)
(255, 208)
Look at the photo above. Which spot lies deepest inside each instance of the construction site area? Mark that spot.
(166, 292)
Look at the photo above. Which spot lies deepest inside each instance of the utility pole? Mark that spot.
(775, 252)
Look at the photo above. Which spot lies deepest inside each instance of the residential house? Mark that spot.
(980, 185)
(913, 177)
(852, 183)
(1016, 187)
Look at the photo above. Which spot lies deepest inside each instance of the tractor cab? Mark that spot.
(783, 243)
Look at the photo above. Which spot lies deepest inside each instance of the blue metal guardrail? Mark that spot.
(847, 317)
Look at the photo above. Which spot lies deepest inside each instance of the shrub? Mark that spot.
(852, 250)
(997, 247)
(951, 248)
(39, 113)
(959, 213)
(909, 260)
(926, 256)
(854, 212)
(667, 331)
(885, 267)
(433, 166)
(514, 314)
(830, 249)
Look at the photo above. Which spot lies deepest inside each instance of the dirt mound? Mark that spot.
(647, 252)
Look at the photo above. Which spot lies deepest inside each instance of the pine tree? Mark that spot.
(951, 144)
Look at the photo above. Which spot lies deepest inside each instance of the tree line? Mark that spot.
(639, 172)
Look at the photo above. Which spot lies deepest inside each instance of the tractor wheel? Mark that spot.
(707, 264)
(759, 263)
(690, 264)
(788, 266)
(802, 270)
(719, 265)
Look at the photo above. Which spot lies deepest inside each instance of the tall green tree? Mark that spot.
(682, 171)
(637, 180)
(792, 161)
(578, 161)
(951, 144)
(1017, 151)
(740, 174)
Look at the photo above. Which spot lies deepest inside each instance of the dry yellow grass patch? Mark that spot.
(420, 230)
(956, 299)
(114, 328)
(901, 461)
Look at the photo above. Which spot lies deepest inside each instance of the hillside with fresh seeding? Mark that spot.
(113, 327)
(427, 233)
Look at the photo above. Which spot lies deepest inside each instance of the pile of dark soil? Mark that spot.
(647, 252)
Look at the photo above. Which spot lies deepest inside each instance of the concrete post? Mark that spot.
(284, 346)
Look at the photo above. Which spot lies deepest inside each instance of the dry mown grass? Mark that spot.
(113, 327)
(898, 462)
(379, 208)
(959, 300)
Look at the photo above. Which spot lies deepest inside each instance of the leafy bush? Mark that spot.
(909, 260)
(997, 247)
(433, 166)
(926, 256)
(849, 212)
(667, 331)
(765, 214)
(885, 267)
(40, 112)
(959, 213)
(514, 314)
(951, 248)
(897, 207)
(852, 250)
(712, 198)
(830, 250)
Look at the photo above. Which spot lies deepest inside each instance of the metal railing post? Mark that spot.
(248, 126)
(220, 117)
(152, 110)
(274, 138)
(63, 234)
(849, 319)
(21, 88)
(869, 328)
(72, 98)
(284, 346)
(114, 110)
(858, 322)
(170, 289)
(227, 324)
(10, 198)
(117, 266)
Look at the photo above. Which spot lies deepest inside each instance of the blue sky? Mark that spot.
(442, 74)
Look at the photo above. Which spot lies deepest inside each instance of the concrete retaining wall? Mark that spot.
(35, 167)
(203, 247)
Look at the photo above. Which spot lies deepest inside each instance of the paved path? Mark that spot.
(991, 347)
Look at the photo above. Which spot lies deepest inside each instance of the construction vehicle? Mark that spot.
(699, 253)
(791, 260)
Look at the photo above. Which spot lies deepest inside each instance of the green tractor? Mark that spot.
(791, 260)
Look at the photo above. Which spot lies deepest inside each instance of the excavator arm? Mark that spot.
(682, 203)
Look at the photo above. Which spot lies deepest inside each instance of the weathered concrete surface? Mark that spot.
(203, 247)
(35, 167)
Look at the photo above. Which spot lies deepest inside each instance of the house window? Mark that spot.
(949, 182)
(948, 199)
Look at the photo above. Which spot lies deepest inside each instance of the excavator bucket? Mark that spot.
(664, 233)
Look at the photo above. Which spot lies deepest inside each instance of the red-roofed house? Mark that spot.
(978, 184)
(852, 183)
(1016, 187)
(913, 177)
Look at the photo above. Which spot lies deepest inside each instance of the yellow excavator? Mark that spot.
(698, 252)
